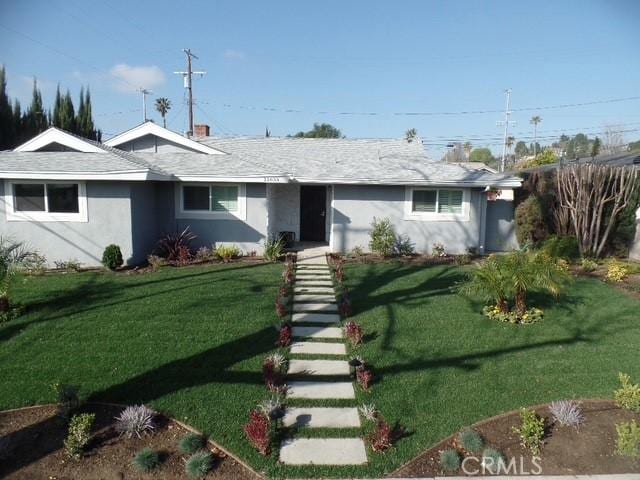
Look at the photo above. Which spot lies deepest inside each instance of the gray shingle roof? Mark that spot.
(304, 160)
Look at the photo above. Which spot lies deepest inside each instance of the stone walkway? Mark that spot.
(312, 381)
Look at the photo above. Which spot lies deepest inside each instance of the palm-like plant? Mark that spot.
(535, 120)
(163, 105)
(488, 282)
(13, 256)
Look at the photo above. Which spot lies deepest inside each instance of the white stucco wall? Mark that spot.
(634, 252)
(284, 209)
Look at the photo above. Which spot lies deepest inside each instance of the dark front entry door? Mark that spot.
(313, 211)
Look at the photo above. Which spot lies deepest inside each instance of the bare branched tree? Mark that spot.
(613, 139)
(594, 196)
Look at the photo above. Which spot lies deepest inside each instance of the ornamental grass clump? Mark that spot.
(493, 461)
(628, 395)
(273, 370)
(146, 460)
(567, 413)
(79, 434)
(226, 253)
(258, 432)
(191, 443)
(353, 332)
(199, 464)
(450, 460)
(272, 408)
(369, 412)
(531, 430)
(135, 420)
(470, 440)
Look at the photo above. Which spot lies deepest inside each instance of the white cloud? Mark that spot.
(231, 54)
(130, 79)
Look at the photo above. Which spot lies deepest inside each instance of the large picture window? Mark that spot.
(436, 204)
(45, 201)
(213, 200)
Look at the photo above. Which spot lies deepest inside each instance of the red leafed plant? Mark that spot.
(354, 333)
(345, 304)
(364, 377)
(381, 438)
(258, 432)
(288, 275)
(284, 339)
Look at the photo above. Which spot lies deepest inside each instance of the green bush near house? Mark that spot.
(561, 247)
(112, 257)
(383, 237)
(531, 228)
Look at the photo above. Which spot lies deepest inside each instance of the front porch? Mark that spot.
(300, 213)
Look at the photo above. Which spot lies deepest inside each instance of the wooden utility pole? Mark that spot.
(188, 76)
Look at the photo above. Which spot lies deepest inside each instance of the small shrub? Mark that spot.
(438, 250)
(272, 408)
(79, 434)
(191, 443)
(531, 431)
(617, 271)
(567, 413)
(531, 228)
(450, 460)
(135, 420)
(383, 237)
(382, 436)
(369, 412)
(628, 395)
(471, 440)
(353, 332)
(285, 335)
(493, 461)
(628, 441)
(258, 432)
(226, 253)
(34, 264)
(345, 304)
(199, 464)
(364, 376)
(175, 247)
(146, 460)
(464, 259)
(204, 254)
(356, 252)
(155, 262)
(273, 249)
(493, 312)
(404, 246)
(68, 265)
(558, 246)
(281, 307)
(112, 257)
(67, 397)
(588, 265)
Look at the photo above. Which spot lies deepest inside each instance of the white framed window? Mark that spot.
(46, 201)
(211, 200)
(437, 204)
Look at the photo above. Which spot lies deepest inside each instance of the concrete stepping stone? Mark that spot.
(313, 276)
(318, 348)
(318, 367)
(305, 282)
(323, 451)
(315, 307)
(317, 332)
(313, 298)
(314, 417)
(312, 289)
(321, 390)
(327, 318)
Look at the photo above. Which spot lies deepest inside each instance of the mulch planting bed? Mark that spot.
(566, 451)
(31, 448)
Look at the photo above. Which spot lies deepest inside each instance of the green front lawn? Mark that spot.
(191, 341)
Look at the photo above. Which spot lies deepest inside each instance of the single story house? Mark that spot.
(69, 197)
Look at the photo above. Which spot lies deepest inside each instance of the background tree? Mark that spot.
(163, 105)
(535, 120)
(410, 135)
(595, 147)
(579, 146)
(467, 148)
(7, 123)
(612, 139)
(521, 149)
(510, 141)
(320, 130)
(482, 155)
(594, 196)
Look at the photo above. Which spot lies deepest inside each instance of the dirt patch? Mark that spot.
(566, 451)
(31, 448)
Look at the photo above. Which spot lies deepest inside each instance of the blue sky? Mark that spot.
(263, 58)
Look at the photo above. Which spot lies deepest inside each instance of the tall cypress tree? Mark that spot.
(56, 119)
(7, 124)
(88, 127)
(67, 113)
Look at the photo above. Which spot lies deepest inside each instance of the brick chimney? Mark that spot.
(201, 130)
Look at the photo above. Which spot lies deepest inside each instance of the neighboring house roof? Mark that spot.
(268, 160)
(615, 159)
(150, 128)
(476, 166)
